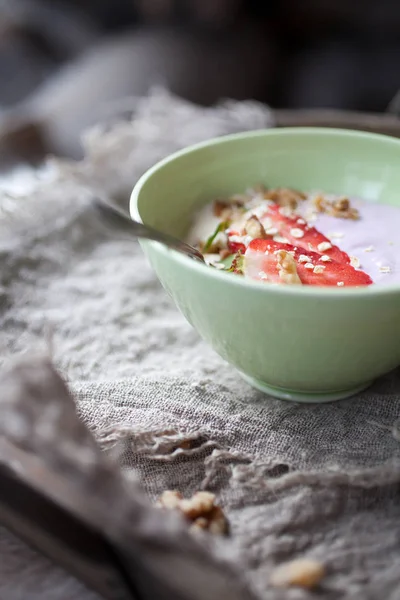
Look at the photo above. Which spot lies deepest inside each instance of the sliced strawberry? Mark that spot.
(299, 233)
(261, 262)
(234, 245)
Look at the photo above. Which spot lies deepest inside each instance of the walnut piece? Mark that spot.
(319, 203)
(255, 229)
(287, 268)
(285, 197)
(228, 210)
(304, 572)
(198, 505)
(342, 209)
(217, 524)
(170, 499)
(339, 208)
(341, 204)
(200, 510)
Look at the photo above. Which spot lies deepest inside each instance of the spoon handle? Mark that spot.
(113, 215)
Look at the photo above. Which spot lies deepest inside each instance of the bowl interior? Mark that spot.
(334, 161)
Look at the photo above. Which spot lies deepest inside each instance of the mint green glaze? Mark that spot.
(302, 343)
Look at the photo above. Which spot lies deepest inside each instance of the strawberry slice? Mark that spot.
(261, 262)
(234, 245)
(299, 233)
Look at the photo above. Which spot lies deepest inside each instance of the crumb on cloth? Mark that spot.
(200, 510)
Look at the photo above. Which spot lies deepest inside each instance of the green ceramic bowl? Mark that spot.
(299, 343)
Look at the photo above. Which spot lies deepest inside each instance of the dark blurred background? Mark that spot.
(70, 56)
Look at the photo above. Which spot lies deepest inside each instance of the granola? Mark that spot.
(287, 268)
(337, 207)
(303, 572)
(200, 510)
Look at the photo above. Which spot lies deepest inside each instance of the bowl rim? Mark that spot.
(285, 290)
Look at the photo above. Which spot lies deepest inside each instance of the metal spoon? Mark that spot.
(111, 215)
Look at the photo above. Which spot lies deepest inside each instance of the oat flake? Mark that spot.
(323, 246)
(296, 232)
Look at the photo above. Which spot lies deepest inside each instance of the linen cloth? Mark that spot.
(320, 481)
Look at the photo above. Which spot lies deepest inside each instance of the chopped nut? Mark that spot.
(296, 232)
(200, 523)
(287, 268)
(385, 269)
(334, 235)
(285, 211)
(267, 223)
(258, 211)
(229, 210)
(342, 204)
(355, 262)
(319, 203)
(309, 266)
(170, 499)
(369, 249)
(200, 503)
(339, 207)
(319, 269)
(303, 258)
(255, 229)
(305, 572)
(340, 283)
(219, 207)
(280, 239)
(271, 231)
(285, 197)
(217, 523)
(225, 208)
(324, 246)
(325, 258)
(200, 510)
